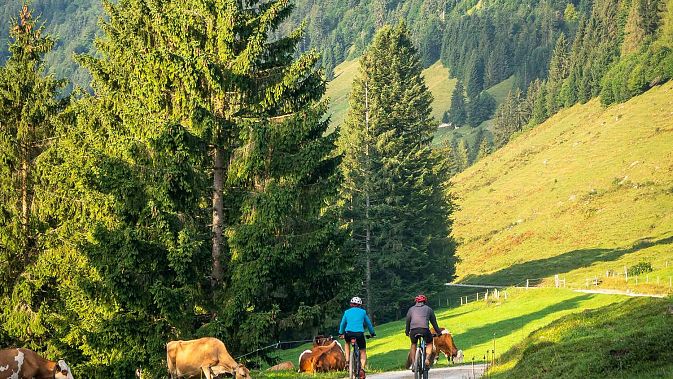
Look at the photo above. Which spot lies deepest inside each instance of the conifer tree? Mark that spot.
(463, 154)
(199, 119)
(393, 181)
(475, 78)
(558, 70)
(457, 112)
(29, 103)
(483, 149)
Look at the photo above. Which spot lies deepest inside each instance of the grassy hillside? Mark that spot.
(476, 325)
(338, 90)
(632, 339)
(585, 193)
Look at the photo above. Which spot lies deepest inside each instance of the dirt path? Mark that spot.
(456, 372)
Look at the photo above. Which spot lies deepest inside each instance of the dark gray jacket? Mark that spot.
(419, 316)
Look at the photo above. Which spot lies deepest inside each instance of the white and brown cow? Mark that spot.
(26, 364)
(204, 356)
(323, 358)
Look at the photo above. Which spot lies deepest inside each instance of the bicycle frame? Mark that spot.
(420, 370)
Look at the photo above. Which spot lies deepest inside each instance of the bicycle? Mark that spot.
(354, 369)
(419, 368)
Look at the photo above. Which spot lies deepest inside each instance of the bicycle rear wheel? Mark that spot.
(418, 365)
(354, 364)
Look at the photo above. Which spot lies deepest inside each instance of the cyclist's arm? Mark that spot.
(369, 325)
(342, 326)
(433, 321)
(406, 331)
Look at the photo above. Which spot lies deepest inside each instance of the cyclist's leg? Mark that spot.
(348, 351)
(428, 347)
(363, 358)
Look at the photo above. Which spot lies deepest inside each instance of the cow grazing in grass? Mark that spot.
(205, 356)
(444, 343)
(323, 358)
(284, 366)
(26, 364)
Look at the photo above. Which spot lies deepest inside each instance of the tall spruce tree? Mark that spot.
(29, 103)
(457, 112)
(199, 119)
(394, 183)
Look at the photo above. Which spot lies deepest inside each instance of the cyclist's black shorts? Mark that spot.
(359, 339)
(427, 336)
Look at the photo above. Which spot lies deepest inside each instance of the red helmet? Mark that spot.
(421, 299)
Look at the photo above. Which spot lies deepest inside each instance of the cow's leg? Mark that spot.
(207, 373)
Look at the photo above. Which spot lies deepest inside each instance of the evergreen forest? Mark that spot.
(167, 169)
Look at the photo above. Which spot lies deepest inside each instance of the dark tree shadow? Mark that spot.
(560, 264)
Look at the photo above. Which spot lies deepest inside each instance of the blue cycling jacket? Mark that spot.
(354, 320)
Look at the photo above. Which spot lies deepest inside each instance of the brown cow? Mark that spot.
(323, 358)
(444, 343)
(207, 356)
(285, 366)
(26, 364)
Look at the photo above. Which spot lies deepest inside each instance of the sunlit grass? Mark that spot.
(627, 340)
(585, 193)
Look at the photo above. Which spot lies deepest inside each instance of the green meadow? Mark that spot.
(475, 326)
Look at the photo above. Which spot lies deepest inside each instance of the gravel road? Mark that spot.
(456, 372)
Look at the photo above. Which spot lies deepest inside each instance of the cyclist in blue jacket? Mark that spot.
(352, 326)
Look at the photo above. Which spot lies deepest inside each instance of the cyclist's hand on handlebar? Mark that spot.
(371, 335)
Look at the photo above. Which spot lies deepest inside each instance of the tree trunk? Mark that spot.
(218, 214)
(25, 202)
(368, 248)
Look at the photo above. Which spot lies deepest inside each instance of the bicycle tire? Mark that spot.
(418, 365)
(354, 364)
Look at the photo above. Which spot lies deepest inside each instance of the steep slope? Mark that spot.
(338, 89)
(587, 192)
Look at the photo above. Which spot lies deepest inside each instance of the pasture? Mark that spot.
(475, 327)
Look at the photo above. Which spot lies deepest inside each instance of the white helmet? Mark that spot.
(356, 300)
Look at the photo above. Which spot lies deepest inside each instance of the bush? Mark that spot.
(640, 268)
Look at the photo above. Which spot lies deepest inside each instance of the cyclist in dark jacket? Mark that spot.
(418, 319)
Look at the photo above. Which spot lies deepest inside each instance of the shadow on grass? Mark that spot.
(560, 264)
(476, 336)
(625, 340)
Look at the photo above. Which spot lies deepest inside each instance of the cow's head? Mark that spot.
(62, 371)
(322, 340)
(241, 372)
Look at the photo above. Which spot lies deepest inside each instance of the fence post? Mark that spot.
(626, 274)
(527, 283)
(586, 284)
(477, 296)
(486, 295)
(647, 279)
(556, 280)
(505, 295)
(461, 300)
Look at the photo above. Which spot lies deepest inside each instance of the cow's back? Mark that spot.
(23, 363)
(188, 357)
